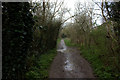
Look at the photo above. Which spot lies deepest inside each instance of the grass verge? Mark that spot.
(41, 67)
(58, 40)
(69, 43)
(95, 58)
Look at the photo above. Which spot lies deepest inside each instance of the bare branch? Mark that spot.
(68, 18)
(55, 11)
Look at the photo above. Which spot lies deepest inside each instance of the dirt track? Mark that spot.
(69, 64)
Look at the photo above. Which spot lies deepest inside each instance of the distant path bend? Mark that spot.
(69, 64)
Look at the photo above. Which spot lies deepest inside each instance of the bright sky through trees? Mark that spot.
(71, 4)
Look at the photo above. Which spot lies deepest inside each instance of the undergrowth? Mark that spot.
(69, 43)
(93, 55)
(96, 56)
(41, 67)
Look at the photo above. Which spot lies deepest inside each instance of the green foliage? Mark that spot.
(69, 43)
(46, 27)
(17, 34)
(103, 61)
(45, 36)
(41, 66)
(98, 61)
(58, 40)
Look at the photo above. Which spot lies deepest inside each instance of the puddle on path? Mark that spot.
(63, 46)
(68, 66)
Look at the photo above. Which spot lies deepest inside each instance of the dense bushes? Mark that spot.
(27, 37)
(45, 34)
(16, 37)
(45, 38)
(46, 27)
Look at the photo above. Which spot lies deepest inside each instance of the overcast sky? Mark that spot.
(71, 5)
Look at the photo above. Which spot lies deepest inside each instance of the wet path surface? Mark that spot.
(69, 64)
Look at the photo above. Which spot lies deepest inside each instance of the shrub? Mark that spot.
(16, 35)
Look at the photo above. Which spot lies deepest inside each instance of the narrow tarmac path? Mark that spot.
(69, 64)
